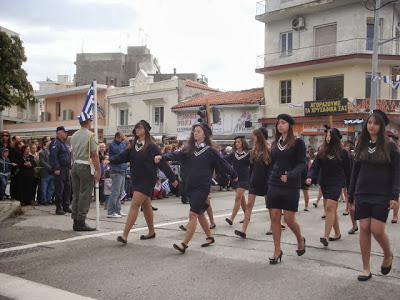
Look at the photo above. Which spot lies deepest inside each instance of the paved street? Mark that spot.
(41, 255)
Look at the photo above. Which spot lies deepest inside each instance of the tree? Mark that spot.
(15, 88)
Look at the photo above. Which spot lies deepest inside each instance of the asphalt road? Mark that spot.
(40, 256)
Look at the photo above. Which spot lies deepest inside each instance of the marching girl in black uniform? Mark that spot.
(349, 147)
(375, 187)
(287, 162)
(141, 155)
(259, 170)
(240, 160)
(334, 163)
(199, 160)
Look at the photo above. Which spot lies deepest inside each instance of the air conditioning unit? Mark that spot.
(45, 117)
(298, 23)
(67, 114)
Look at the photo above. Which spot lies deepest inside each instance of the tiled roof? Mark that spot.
(198, 85)
(252, 96)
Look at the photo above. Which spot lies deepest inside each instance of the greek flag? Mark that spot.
(123, 196)
(87, 113)
(165, 186)
(100, 109)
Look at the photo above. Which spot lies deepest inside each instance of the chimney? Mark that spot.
(174, 71)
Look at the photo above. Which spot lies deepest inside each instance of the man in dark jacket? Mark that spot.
(5, 171)
(46, 177)
(60, 161)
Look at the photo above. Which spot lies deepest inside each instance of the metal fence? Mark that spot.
(340, 48)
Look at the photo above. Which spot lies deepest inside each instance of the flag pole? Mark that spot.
(97, 190)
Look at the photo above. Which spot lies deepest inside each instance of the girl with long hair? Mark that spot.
(239, 158)
(287, 162)
(259, 169)
(374, 188)
(141, 155)
(199, 160)
(332, 164)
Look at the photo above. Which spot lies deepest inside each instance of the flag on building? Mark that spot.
(165, 186)
(87, 112)
(100, 109)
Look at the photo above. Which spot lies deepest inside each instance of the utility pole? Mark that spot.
(374, 81)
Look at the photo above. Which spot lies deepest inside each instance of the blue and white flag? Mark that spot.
(87, 112)
(123, 196)
(100, 109)
(165, 186)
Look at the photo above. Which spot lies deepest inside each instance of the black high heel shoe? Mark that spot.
(324, 241)
(302, 251)
(241, 234)
(274, 261)
(211, 239)
(386, 270)
(181, 250)
(364, 277)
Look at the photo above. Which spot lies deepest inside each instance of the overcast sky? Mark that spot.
(218, 38)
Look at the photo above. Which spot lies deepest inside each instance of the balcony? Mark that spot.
(18, 116)
(157, 127)
(341, 48)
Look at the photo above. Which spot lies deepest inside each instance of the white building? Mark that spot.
(151, 101)
(322, 50)
(239, 113)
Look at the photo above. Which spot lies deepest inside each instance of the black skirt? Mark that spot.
(283, 198)
(240, 185)
(197, 199)
(370, 206)
(331, 192)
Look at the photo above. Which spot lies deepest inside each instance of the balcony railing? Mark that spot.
(19, 115)
(261, 7)
(347, 47)
(157, 127)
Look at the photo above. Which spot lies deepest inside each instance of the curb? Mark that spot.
(9, 209)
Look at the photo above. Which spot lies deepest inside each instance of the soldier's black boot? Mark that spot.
(82, 226)
(60, 211)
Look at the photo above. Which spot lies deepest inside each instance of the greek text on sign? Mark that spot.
(185, 122)
(325, 107)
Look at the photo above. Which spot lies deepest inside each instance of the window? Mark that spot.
(325, 41)
(370, 33)
(58, 111)
(286, 91)
(123, 117)
(327, 88)
(286, 43)
(368, 86)
(159, 115)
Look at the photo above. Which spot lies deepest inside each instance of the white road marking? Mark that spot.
(16, 288)
(84, 237)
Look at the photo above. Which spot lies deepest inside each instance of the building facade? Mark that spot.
(114, 68)
(59, 107)
(238, 112)
(322, 51)
(151, 101)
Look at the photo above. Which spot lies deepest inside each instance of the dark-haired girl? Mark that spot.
(141, 155)
(199, 160)
(287, 162)
(334, 163)
(374, 188)
(240, 160)
(259, 170)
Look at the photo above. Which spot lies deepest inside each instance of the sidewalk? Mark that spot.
(9, 208)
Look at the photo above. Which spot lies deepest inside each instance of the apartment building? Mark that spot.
(317, 64)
